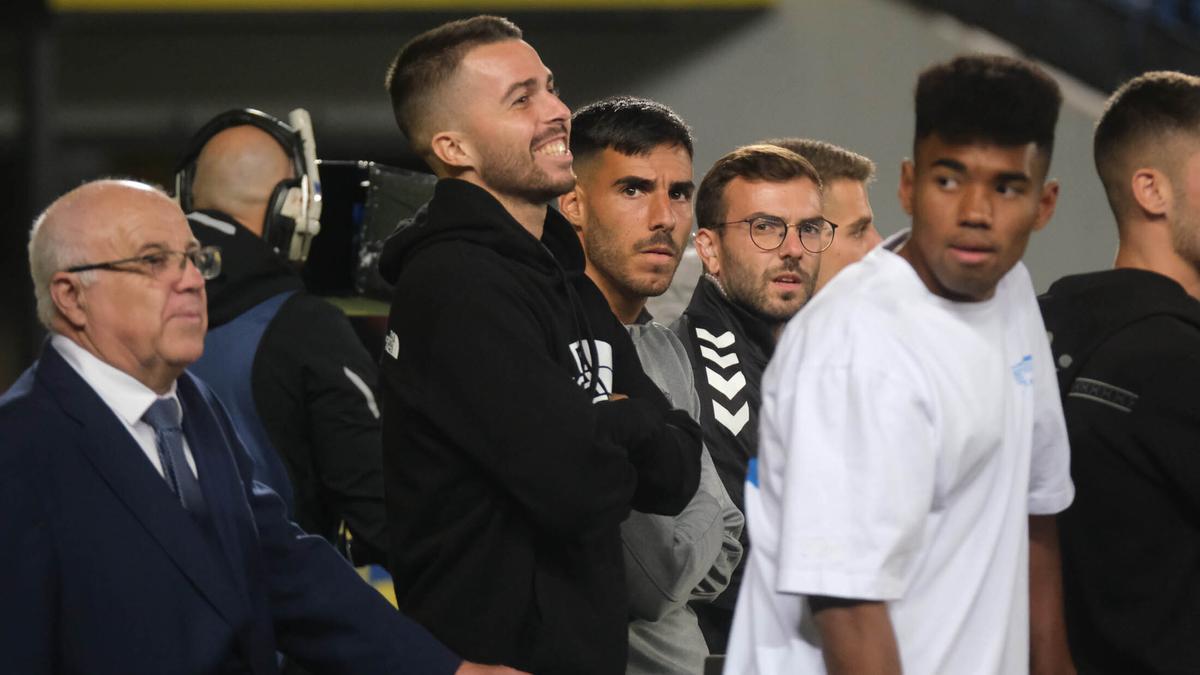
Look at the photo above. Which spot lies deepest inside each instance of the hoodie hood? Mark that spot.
(251, 271)
(462, 211)
(1082, 311)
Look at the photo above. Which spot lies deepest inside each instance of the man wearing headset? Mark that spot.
(297, 380)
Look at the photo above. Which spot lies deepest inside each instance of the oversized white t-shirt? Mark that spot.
(904, 441)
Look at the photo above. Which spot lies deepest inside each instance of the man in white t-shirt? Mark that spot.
(912, 450)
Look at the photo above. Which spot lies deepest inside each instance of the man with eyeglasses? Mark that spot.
(912, 448)
(297, 381)
(760, 236)
(136, 540)
(844, 176)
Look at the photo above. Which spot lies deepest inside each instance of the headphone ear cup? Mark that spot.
(282, 211)
(183, 186)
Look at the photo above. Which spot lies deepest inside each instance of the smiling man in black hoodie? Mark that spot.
(519, 429)
(1127, 343)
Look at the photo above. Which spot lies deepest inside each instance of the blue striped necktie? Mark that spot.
(164, 417)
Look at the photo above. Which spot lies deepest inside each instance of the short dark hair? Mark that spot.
(429, 60)
(630, 125)
(991, 98)
(769, 163)
(833, 162)
(1140, 118)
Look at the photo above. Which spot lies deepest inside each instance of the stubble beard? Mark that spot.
(754, 293)
(1185, 236)
(614, 262)
(521, 177)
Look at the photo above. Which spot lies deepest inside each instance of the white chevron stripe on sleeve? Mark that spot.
(729, 387)
(366, 391)
(733, 422)
(721, 361)
(719, 341)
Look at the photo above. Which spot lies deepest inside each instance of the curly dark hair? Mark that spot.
(991, 98)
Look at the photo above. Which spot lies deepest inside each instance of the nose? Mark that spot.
(190, 279)
(662, 215)
(976, 206)
(791, 246)
(556, 110)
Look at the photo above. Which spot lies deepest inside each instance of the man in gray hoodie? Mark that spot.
(632, 209)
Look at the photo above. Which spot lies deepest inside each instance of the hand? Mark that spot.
(468, 668)
(617, 397)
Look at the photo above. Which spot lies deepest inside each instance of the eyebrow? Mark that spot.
(953, 165)
(529, 83)
(1013, 177)
(687, 187)
(861, 223)
(1005, 177)
(151, 246)
(517, 86)
(160, 246)
(764, 214)
(643, 184)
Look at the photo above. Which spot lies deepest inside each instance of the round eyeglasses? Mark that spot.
(768, 232)
(158, 264)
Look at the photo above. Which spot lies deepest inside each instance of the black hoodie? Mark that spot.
(1127, 344)
(506, 482)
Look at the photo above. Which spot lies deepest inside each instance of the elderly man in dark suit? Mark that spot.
(134, 539)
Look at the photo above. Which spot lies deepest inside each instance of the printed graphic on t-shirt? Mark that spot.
(1023, 371)
(583, 366)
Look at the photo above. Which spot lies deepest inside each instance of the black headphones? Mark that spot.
(289, 223)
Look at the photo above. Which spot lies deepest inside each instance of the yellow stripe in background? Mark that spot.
(384, 5)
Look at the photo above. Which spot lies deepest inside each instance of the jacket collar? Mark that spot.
(709, 304)
(250, 271)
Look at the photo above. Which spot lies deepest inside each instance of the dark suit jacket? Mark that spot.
(102, 571)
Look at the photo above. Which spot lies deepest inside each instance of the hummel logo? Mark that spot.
(719, 341)
(733, 422)
(725, 361)
(729, 387)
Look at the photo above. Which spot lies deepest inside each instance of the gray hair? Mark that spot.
(49, 252)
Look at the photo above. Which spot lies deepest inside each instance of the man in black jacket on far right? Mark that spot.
(1127, 345)
(518, 427)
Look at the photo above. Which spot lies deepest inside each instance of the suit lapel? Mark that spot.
(222, 486)
(122, 464)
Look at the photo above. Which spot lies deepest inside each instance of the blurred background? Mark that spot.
(92, 88)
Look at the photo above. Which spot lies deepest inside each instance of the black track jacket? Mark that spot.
(507, 473)
(1127, 344)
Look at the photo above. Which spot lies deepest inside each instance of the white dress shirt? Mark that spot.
(124, 395)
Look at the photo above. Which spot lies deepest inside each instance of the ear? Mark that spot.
(452, 150)
(907, 178)
(67, 292)
(1152, 191)
(571, 206)
(1046, 204)
(708, 246)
